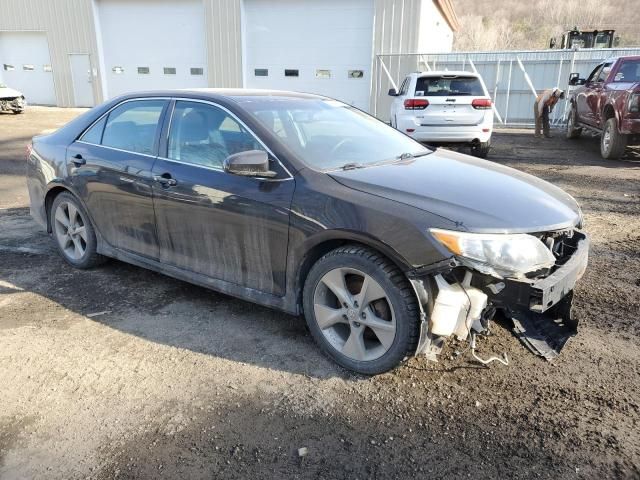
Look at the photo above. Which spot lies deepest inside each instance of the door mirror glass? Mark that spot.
(574, 79)
(393, 92)
(252, 163)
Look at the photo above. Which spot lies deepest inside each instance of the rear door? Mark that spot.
(450, 100)
(210, 222)
(110, 168)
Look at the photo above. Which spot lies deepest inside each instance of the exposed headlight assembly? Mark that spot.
(500, 255)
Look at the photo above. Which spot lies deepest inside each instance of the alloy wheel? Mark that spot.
(70, 229)
(354, 314)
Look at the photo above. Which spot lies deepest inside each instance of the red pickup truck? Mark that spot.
(608, 104)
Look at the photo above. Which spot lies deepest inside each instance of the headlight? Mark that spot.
(500, 255)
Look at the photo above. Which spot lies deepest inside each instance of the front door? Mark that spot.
(229, 227)
(110, 169)
(82, 80)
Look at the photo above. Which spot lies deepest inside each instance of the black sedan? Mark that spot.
(305, 204)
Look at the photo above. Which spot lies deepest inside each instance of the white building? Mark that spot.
(82, 52)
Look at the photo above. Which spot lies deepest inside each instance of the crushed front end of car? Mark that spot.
(12, 104)
(528, 277)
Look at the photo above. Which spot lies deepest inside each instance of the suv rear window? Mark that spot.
(448, 86)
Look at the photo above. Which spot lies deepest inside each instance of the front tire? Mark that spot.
(612, 142)
(73, 232)
(361, 310)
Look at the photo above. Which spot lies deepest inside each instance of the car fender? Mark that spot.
(61, 185)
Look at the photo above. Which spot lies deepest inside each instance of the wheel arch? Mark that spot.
(330, 240)
(609, 112)
(55, 190)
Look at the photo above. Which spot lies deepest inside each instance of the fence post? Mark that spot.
(506, 108)
(493, 107)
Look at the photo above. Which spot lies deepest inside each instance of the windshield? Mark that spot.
(448, 86)
(327, 134)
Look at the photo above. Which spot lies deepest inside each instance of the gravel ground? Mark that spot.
(119, 372)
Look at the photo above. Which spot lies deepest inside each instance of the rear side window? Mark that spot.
(448, 87)
(132, 126)
(94, 134)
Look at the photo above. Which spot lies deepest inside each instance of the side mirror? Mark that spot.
(393, 92)
(252, 163)
(574, 79)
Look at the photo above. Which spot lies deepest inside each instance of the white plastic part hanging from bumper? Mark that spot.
(457, 310)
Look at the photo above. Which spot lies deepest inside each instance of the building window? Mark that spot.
(197, 71)
(143, 70)
(261, 72)
(323, 73)
(356, 74)
(8, 67)
(47, 68)
(117, 70)
(169, 70)
(291, 72)
(29, 67)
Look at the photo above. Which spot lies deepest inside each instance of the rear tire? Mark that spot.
(73, 232)
(612, 142)
(481, 149)
(573, 132)
(361, 310)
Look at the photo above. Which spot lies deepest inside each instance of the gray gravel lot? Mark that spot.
(119, 372)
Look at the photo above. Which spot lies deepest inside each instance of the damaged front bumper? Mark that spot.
(463, 302)
(13, 104)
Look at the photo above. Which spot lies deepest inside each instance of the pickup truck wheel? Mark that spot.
(612, 143)
(480, 150)
(572, 130)
(361, 310)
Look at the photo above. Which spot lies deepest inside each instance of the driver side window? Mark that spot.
(604, 73)
(202, 134)
(404, 88)
(595, 73)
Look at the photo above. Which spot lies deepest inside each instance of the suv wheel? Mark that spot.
(572, 130)
(361, 310)
(480, 149)
(73, 232)
(612, 143)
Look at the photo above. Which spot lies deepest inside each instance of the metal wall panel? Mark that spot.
(223, 30)
(395, 29)
(69, 27)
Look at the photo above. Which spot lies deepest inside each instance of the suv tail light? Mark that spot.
(481, 103)
(634, 103)
(416, 103)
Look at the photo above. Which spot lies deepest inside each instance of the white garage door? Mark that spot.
(313, 46)
(152, 44)
(26, 66)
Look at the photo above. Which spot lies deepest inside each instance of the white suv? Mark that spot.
(444, 108)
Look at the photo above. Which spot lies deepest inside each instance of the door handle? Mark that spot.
(165, 180)
(77, 160)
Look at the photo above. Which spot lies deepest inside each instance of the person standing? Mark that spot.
(542, 108)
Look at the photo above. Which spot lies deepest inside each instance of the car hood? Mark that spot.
(7, 92)
(478, 195)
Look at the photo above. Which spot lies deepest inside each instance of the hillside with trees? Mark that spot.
(515, 25)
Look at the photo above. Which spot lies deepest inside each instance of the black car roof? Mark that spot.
(217, 93)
